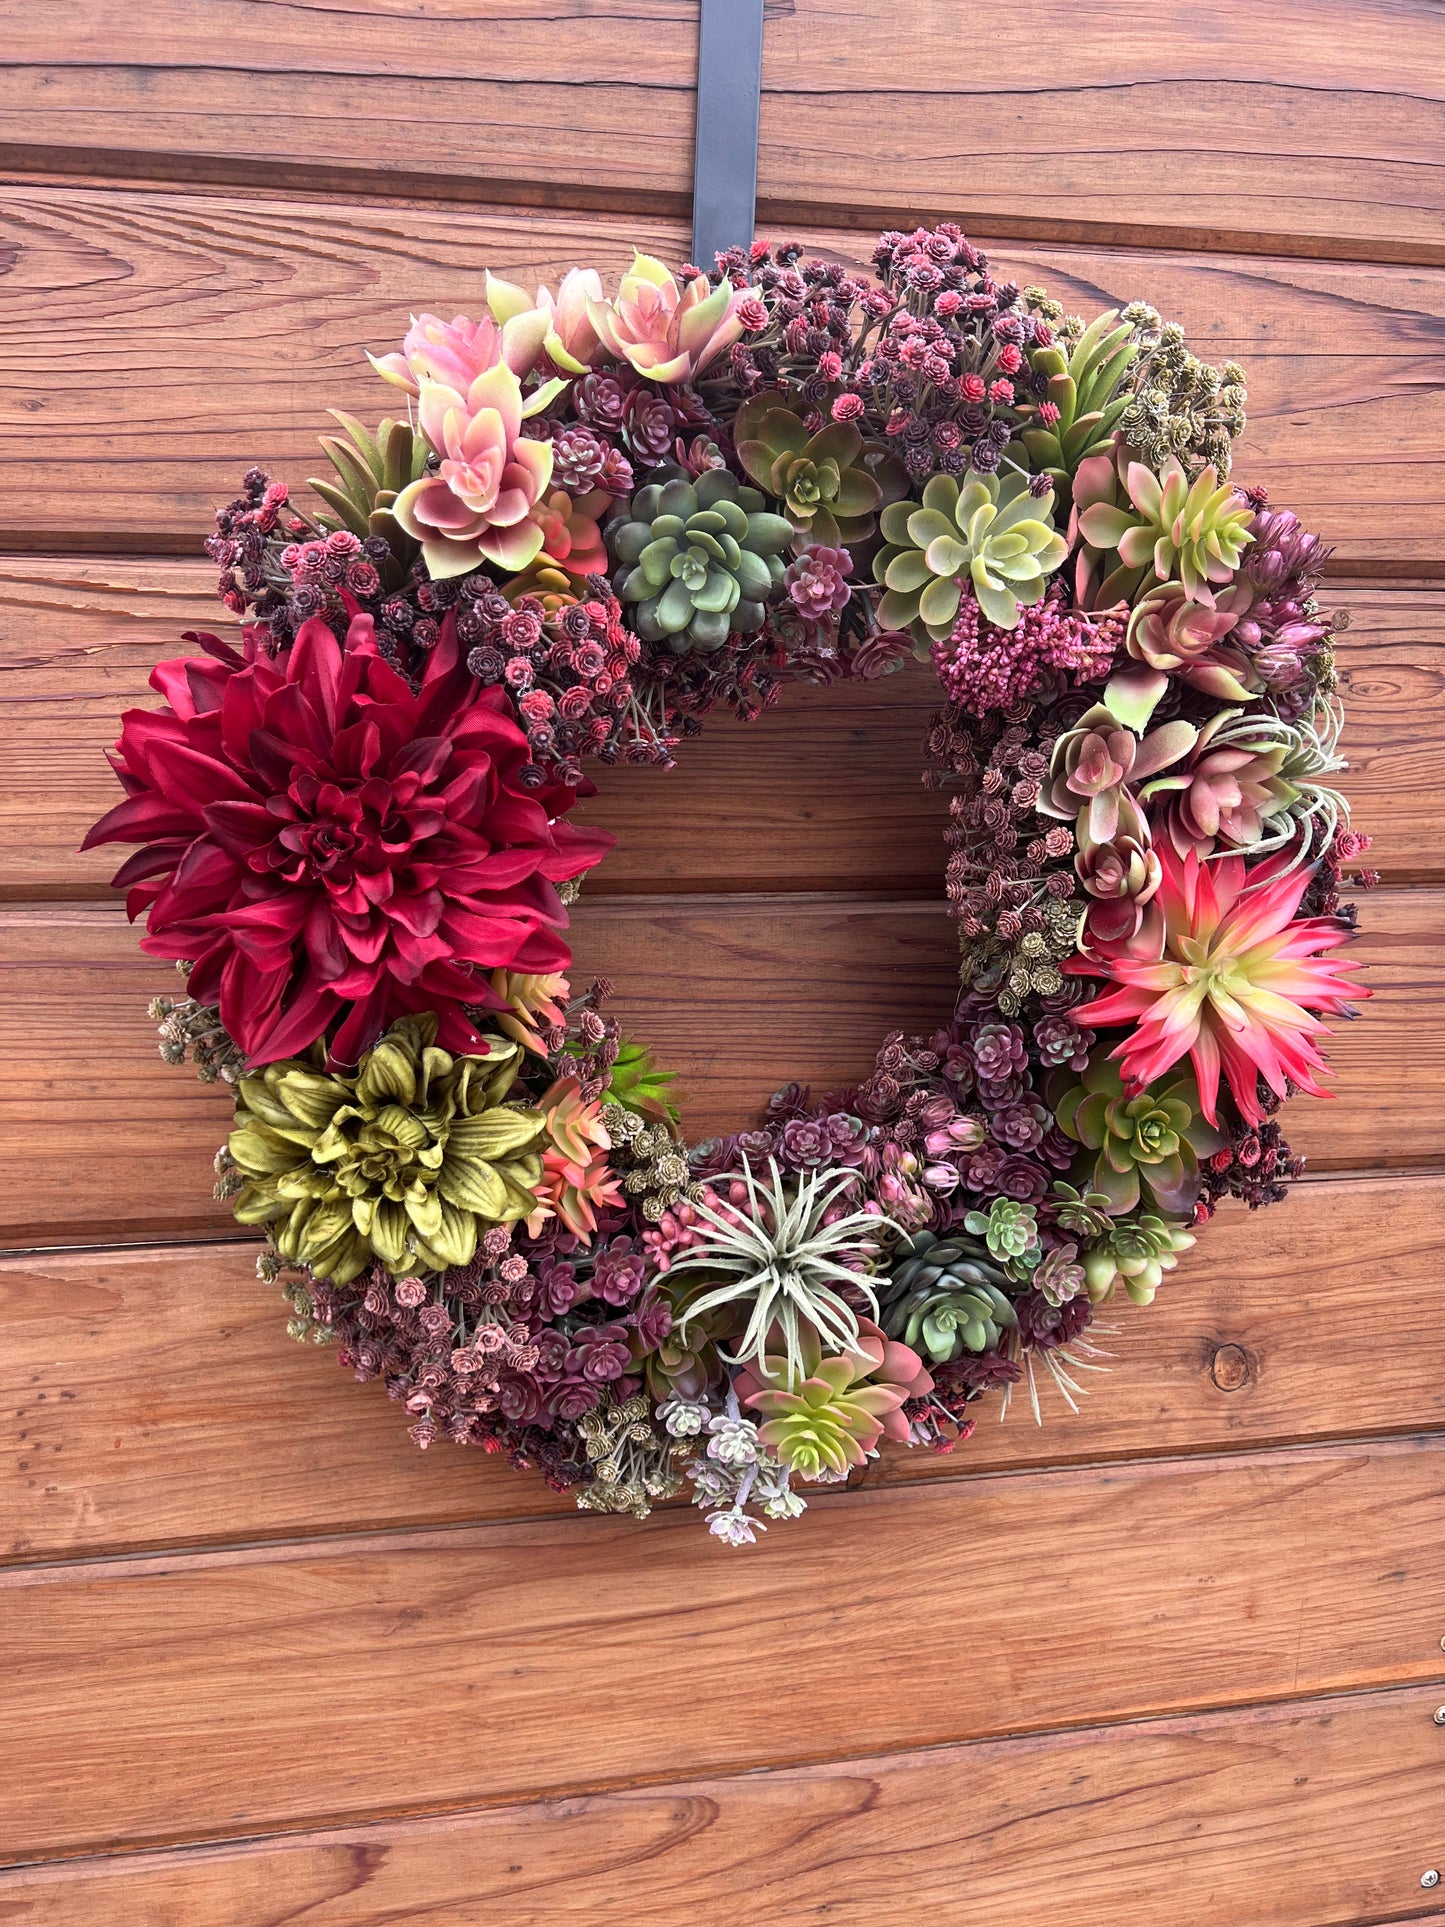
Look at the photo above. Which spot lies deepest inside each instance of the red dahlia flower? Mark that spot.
(1234, 988)
(329, 848)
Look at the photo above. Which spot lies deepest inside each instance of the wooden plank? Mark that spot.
(160, 343)
(825, 790)
(331, 1680)
(822, 792)
(102, 1142)
(129, 1364)
(1274, 129)
(1313, 1814)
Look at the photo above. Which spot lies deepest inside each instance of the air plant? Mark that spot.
(780, 1258)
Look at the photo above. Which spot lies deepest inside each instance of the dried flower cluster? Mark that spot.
(600, 516)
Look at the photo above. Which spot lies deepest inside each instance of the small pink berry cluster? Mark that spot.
(986, 669)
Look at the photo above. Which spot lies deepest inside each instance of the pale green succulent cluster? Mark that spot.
(989, 533)
(697, 560)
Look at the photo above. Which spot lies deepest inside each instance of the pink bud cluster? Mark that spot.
(983, 668)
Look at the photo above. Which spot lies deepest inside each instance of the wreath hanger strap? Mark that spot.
(729, 89)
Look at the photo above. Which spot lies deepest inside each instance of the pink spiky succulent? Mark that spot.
(479, 505)
(576, 1176)
(668, 333)
(1234, 988)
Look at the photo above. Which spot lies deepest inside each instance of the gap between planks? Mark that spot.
(19, 1575)
(25, 164)
(319, 1829)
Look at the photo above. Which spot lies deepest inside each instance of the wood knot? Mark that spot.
(1231, 1367)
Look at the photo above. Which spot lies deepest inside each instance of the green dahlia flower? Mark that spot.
(408, 1161)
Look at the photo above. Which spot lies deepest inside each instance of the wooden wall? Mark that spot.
(1175, 1660)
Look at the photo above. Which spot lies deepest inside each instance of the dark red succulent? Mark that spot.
(330, 849)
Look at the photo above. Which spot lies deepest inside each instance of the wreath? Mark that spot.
(596, 518)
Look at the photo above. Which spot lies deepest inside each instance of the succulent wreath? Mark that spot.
(597, 517)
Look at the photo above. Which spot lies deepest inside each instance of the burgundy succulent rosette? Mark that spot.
(594, 518)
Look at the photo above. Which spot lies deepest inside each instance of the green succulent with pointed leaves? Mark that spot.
(1086, 386)
(697, 560)
(1169, 526)
(638, 1085)
(988, 533)
(371, 471)
(408, 1161)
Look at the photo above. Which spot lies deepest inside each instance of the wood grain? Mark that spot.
(102, 1142)
(328, 1680)
(1272, 128)
(129, 1364)
(1305, 1815)
(822, 792)
(157, 344)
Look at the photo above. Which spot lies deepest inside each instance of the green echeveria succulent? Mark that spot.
(1011, 1233)
(1137, 1251)
(989, 532)
(1147, 1147)
(697, 559)
(1170, 527)
(946, 1296)
(826, 492)
(408, 1161)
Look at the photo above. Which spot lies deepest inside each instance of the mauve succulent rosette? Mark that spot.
(603, 515)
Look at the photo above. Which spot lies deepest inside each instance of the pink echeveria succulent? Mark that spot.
(668, 333)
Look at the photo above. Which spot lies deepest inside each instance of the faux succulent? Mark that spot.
(405, 1162)
(1093, 765)
(1238, 988)
(478, 505)
(991, 532)
(826, 492)
(1010, 1232)
(1087, 394)
(697, 560)
(372, 469)
(946, 1296)
(1091, 770)
(1147, 1147)
(1175, 633)
(825, 1413)
(776, 1264)
(1136, 1252)
(1195, 532)
(576, 1177)
(638, 1085)
(1251, 782)
(668, 333)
